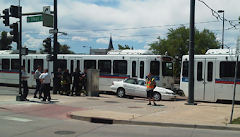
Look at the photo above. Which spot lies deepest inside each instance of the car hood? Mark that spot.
(164, 90)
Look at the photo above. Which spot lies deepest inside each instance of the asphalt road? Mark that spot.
(34, 119)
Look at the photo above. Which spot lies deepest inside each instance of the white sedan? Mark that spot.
(137, 87)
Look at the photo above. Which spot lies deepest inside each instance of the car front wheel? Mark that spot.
(121, 92)
(157, 96)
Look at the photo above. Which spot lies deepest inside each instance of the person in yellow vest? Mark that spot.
(151, 84)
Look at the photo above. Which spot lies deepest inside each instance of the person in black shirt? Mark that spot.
(76, 81)
(59, 76)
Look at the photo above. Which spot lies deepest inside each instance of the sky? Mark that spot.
(137, 23)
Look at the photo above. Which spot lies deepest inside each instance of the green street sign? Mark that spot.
(34, 19)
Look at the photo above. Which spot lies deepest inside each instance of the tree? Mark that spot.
(5, 42)
(120, 47)
(63, 49)
(177, 44)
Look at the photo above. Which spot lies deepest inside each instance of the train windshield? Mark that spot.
(167, 68)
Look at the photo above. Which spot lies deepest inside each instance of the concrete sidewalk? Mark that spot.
(168, 113)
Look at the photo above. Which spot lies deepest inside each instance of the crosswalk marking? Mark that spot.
(15, 119)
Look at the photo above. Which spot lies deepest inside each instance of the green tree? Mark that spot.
(177, 44)
(5, 42)
(120, 47)
(63, 49)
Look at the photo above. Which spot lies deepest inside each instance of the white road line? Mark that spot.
(15, 119)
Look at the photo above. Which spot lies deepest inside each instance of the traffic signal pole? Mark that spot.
(55, 50)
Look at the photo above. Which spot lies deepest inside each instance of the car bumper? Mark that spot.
(169, 96)
(113, 88)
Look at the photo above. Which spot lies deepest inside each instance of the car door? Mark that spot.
(129, 85)
(140, 89)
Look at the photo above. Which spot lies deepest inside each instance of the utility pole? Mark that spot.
(191, 56)
(55, 50)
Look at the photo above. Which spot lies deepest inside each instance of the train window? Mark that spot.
(185, 69)
(167, 68)
(38, 62)
(227, 69)
(104, 66)
(199, 71)
(120, 67)
(134, 67)
(78, 64)
(29, 66)
(72, 65)
(15, 64)
(62, 64)
(142, 69)
(155, 67)
(24, 62)
(210, 71)
(5, 64)
(89, 64)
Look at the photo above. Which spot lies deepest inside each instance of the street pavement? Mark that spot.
(113, 110)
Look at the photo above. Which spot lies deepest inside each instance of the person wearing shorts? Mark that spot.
(151, 84)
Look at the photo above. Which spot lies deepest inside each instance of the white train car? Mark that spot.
(213, 76)
(112, 67)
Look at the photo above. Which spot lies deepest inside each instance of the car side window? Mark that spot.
(131, 81)
(141, 82)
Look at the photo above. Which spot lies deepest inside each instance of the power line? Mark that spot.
(217, 16)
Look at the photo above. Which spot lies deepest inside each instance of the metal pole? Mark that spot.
(234, 92)
(191, 55)
(223, 32)
(55, 50)
(19, 45)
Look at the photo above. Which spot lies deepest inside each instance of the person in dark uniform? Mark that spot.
(84, 81)
(59, 77)
(76, 80)
(24, 84)
(65, 81)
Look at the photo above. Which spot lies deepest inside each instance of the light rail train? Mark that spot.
(112, 67)
(213, 76)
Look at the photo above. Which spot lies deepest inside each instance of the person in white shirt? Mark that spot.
(24, 83)
(38, 83)
(46, 81)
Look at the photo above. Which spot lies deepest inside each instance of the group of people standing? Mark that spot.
(64, 81)
(43, 81)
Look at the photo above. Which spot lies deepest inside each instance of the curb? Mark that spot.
(129, 122)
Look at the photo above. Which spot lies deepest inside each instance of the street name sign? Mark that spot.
(53, 31)
(238, 46)
(34, 19)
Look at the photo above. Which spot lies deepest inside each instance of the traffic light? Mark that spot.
(14, 10)
(47, 45)
(14, 32)
(6, 17)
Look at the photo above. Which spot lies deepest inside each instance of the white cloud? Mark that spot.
(61, 40)
(146, 47)
(103, 41)
(32, 42)
(75, 38)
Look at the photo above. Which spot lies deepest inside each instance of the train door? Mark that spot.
(204, 80)
(134, 65)
(29, 69)
(138, 68)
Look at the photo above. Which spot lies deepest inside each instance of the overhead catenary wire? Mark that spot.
(217, 16)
